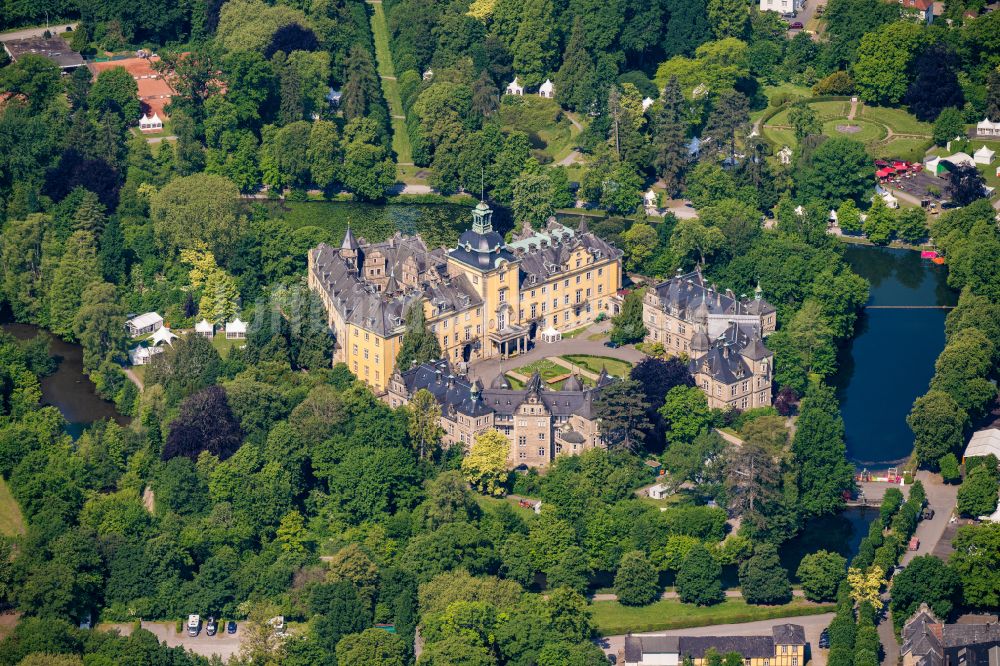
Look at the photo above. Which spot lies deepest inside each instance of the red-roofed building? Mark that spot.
(920, 9)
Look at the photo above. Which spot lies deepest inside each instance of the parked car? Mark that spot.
(612, 344)
(928, 513)
(211, 627)
(230, 627)
(194, 625)
(795, 25)
(914, 544)
(824, 639)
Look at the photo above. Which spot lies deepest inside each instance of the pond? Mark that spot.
(841, 533)
(890, 361)
(68, 388)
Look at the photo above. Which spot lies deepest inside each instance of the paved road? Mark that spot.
(886, 636)
(813, 625)
(805, 16)
(942, 498)
(487, 370)
(222, 644)
(54, 28)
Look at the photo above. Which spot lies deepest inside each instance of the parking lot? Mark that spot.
(222, 644)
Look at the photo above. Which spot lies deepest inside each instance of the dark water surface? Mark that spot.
(841, 533)
(890, 361)
(68, 388)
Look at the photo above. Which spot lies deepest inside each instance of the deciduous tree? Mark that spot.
(485, 467)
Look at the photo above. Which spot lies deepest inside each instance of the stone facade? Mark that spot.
(540, 423)
(929, 642)
(721, 334)
(483, 298)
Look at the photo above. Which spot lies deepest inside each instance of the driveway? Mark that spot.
(813, 625)
(222, 644)
(54, 28)
(487, 370)
(942, 498)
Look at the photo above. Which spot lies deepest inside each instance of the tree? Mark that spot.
(685, 414)
(763, 579)
(819, 454)
(636, 582)
(949, 125)
(34, 76)
(838, 170)
(657, 376)
(730, 118)
(485, 467)
(532, 201)
(419, 344)
(821, 573)
(639, 241)
(961, 369)
(337, 611)
(804, 121)
(882, 67)
(571, 570)
(99, 325)
(367, 171)
(728, 18)
(292, 534)
(911, 224)
(219, 298)
(621, 412)
(627, 326)
(926, 579)
(950, 472)
(866, 586)
(977, 496)
(424, 422)
(938, 425)
(201, 209)
(533, 44)
(935, 85)
(575, 81)
(205, 423)
(739, 223)
(880, 223)
(669, 139)
(976, 559)
(699, 580)
(691, 236)
(372, 647)
(115, 90)
(849, 217)
(752, 481)
(965, 184)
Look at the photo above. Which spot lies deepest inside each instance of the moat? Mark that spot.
(890, 360)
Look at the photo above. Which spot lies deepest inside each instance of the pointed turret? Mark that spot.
(350, 242)
(500, 382)
(572, 383)
(534, 384)
(603, 378)
(758, 293)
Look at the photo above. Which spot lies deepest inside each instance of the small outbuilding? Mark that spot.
(151, 123)
(236, 329)
(785, 155)
(651, 199)
(983, 443)
(551, 335)
(163, 335)
(659, 491)
(988, 128)
(984, 155)
(141, 355)
(143, 324)
(204, 328)
(515, 88)
(547, 90)
(647, 102)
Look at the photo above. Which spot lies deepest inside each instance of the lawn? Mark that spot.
(614, 366)
(779, 137)
(611, 618)
(11, 519)
(912, 150)
(390, 87)
(548, 370)
(868, 132)
(899, 120)
(223, 344)
(548, 129)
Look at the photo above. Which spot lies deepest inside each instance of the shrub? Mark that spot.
(821, 573)
(891, 502)
(950, 471)
(842, 631)
(636, 582)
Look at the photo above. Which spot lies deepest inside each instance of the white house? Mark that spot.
(988, 128)
(983, 443)
(236, 329)
(984, 155)
(515, 88)
(651, 199)
(785, 155)
(143, 324)
(141, 355)
(161, 335)
(204, 328)
(783, 7)
(647, 102)
(658, 491)
(547, 90)
(151, 123)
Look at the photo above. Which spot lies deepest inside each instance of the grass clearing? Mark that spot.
(223, 344)
(390, 87)
(898, 120)
(614, 366)
(11, 518)
(549, 131)
(548, 370)
(912, 150)
(866, 133)
(612, 618)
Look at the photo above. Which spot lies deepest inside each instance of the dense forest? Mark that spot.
(261, 480)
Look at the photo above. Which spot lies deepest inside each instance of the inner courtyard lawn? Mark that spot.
(594, 364)
(611, 618)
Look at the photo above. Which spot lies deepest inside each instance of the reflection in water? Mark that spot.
(838, 534)
(890, 360)
(68, 388)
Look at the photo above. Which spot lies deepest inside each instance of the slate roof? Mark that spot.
(751, 647)
(637, 646)
(683, 293)
(451, 392)
(789, 634)
(546, 253)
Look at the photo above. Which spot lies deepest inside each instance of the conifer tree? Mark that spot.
(575, 79)
(89, 215)
(532, 49)
(419, 344)
(818, 453)
(77, 268)
(670, 156)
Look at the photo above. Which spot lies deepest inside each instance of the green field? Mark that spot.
(11, 519)
(548, 370)
(223, 344)
(390, 87)
(611, 618)
(868, 132)
(898, 120)
(549, 131)
(903, 148)
(614, 366)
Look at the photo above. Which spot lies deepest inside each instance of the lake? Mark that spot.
(890, 360)
(841, 533)
(68, 389)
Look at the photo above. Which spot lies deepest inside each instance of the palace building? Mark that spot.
(483, 298)
(540, 423)
(721, 334)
